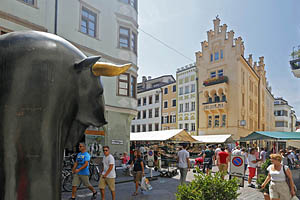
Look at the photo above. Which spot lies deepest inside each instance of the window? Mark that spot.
(139, 102)
(209, 100)
(138, 128)
(166, 104)
(123, 85)
(166, 91)
(211, 57)
(132, 128)
(156, 114)
(221, 52)
(181, 108)
(174, 103)
(144, 101)
(193, 127)
(173, 118)
(144, 127)
(187, 89)
(31, 2)
(217, 98)
(174, 88)
(124, 37)
(181, 91)
(88, 22)
(150, 113)
(212, 74)
(193, 88)
(193, 106)
(166, 119)
(186, 126)
(144, 114)
(149, 127)
(139, 115)
(156, 127)
(180, 126)
(156, 98)
(209, 121)
(217, 120)
(223, 97)
(150, 99)
(133, 87)
(187, 105)
(133, 42)
(216, 55)
(220, 72)
(223, 120)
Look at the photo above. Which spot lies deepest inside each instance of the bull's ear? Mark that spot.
(86, 63)
(108, 69)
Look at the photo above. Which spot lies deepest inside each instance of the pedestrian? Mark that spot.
(208, 159)
(263, 155)
(183, 160)
(237, 151)
(279, 174)
(217, 151)
(252, 166)
(245, 154)
(223, 159)
(81, 172)
(138, 170)
(108, 174)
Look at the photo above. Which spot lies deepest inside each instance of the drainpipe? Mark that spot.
(259, 104)
(55, 18)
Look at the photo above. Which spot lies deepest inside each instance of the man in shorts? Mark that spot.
(108, 174)
(223, 159)
(208, 159)
(81, 172)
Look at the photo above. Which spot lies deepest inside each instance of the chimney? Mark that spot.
(144, 79)
(250, 60)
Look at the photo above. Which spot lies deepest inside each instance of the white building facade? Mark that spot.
(105, 28)
(187, 106)
(285, 118)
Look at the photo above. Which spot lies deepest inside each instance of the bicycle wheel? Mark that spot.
(67, 183)
(96, 172)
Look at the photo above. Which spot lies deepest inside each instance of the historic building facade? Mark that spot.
(169, 109)
(187, 106)
(150, 103)
(285, 117)
(233, 92)
(105, 28)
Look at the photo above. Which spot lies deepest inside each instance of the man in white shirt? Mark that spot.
(237, 151)
(183, 163)
(108, 174)
(216, 153)
(263, 155)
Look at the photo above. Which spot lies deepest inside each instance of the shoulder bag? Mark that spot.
(288, 181)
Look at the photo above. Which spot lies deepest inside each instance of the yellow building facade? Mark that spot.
(169, 105)
(234, 97)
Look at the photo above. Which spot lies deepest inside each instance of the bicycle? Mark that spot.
(94, 171)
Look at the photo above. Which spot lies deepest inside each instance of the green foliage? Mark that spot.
(261, 177)
(211, 187)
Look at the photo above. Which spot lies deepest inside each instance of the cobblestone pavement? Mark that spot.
(163, 189)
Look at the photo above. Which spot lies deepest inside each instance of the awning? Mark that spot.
(214, 139)
(264, 135)
(293, 143)
(176, 135)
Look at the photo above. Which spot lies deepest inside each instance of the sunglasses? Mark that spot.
(105, 150)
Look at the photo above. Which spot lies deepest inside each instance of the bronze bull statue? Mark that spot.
(50, 92)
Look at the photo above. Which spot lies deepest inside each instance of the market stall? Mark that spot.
(214, 139)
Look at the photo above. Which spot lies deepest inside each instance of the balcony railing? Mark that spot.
(214, 106)
(215, 80)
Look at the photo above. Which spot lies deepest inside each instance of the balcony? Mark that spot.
(295, 62)
(215, 80)
(215, 107)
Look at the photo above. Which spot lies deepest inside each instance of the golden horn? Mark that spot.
(108, 69)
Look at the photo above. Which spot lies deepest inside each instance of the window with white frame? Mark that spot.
(193, 106)
(124, 37)
(139, 102)
(150, 99)
(193, 88)
(209, 121)
(186, 126)
(166, 119)
(193, 127)
(139, 115)
(149, 127)
(181, 91)
(165, 104)
(181, 107)
(156, 98)
(187, 89)
(144, 127)
(173, 118)
(187, 107)
(88, 22)
(144, 101)
(123, 85)
(138, 128)
(180, 126)
(144, 114)
(156, 127)
(150, 113)
(156, 114)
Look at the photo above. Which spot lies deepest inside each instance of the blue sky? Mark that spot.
(269, 28)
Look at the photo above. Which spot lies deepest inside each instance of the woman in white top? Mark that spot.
(279, 189)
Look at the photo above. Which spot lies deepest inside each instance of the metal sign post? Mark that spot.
(237, 168)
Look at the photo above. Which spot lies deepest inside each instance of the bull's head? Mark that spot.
(91, 102)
